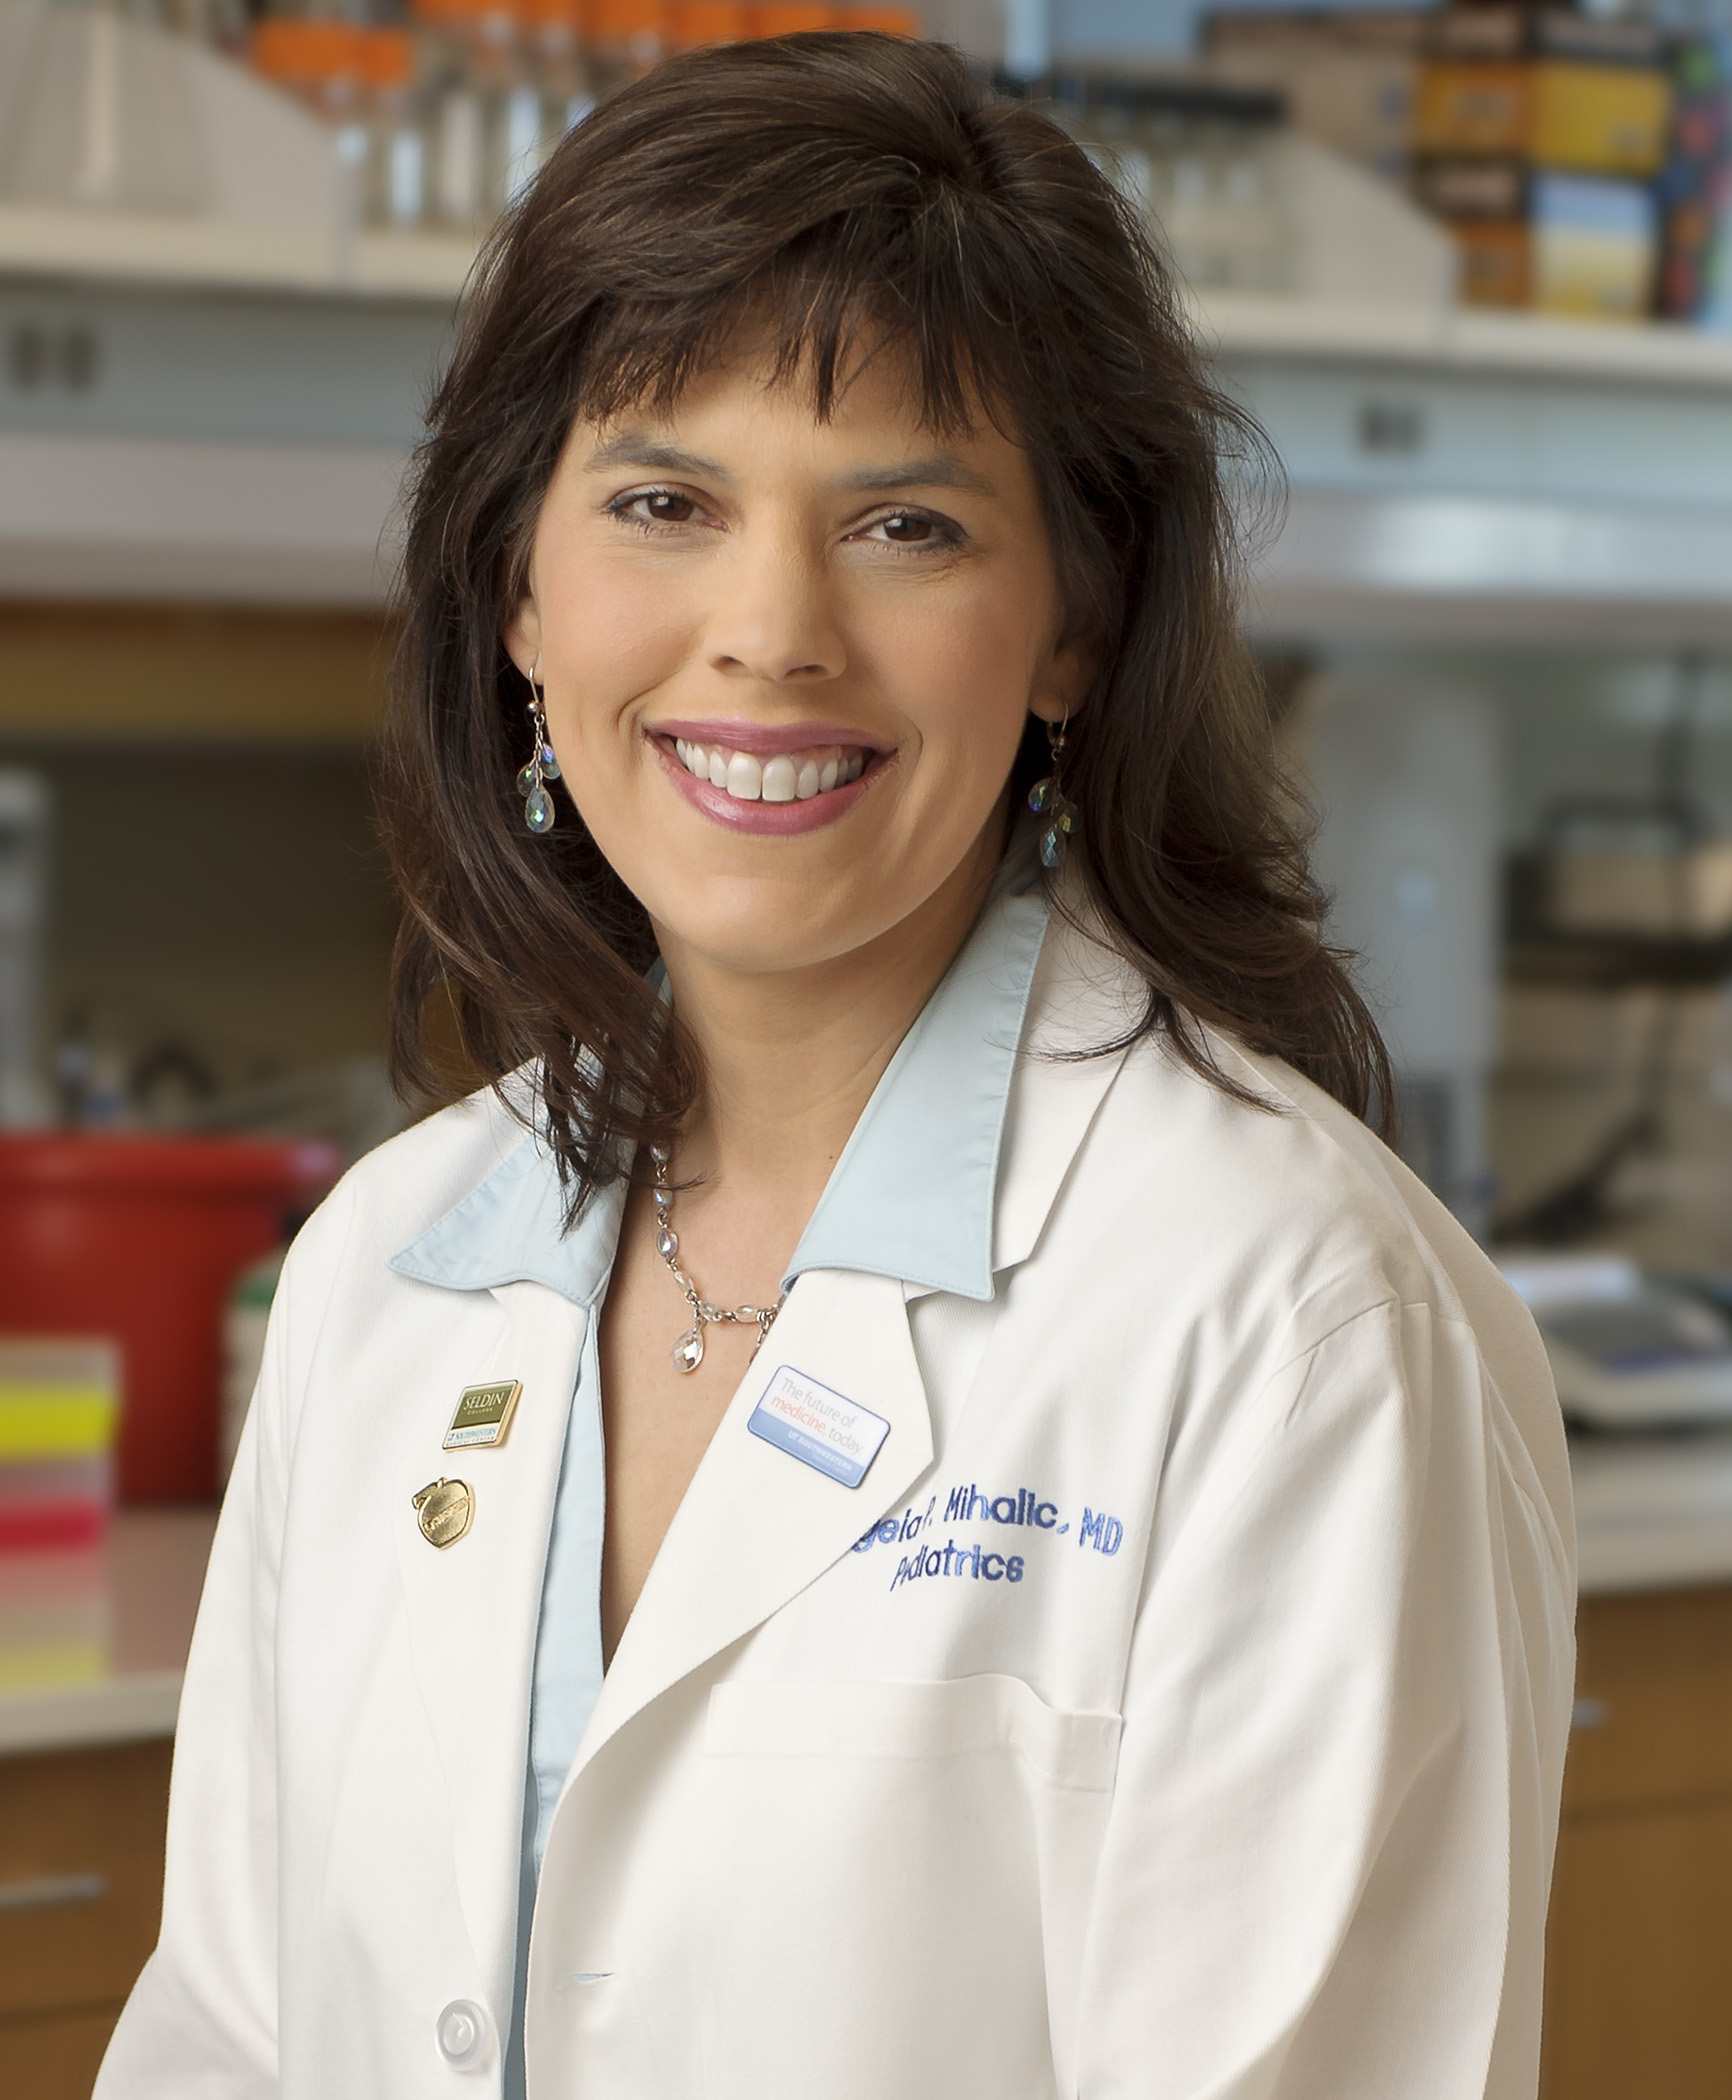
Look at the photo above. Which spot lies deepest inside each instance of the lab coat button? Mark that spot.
(463, 2032)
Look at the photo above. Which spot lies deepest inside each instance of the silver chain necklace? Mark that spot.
(688, 1351)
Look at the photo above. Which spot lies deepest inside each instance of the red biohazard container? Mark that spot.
(140, 1238)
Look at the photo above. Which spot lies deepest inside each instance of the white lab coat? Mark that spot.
(1244, 1784)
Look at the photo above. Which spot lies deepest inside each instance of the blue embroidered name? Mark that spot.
(952, 1559)
(894, 1531)
(967, 1505)
(1104, 1533)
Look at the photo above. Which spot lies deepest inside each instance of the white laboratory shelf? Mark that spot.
(1460, 339)
(186, 252)
(254, 393)
(170, 252)
(1457, 475)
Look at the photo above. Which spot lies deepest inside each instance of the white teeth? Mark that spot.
(785, 777)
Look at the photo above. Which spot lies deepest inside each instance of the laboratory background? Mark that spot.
(1471, 268)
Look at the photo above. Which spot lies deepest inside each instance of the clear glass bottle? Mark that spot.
(562, 74)
(453, 115)
(394, 186)
(1216, 199)
(501, 65)
(1200, 162)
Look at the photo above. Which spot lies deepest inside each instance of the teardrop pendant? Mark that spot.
(549, 764)
(538, 811)
(526, 782)
(688, 1351)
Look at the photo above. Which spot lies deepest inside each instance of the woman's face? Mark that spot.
(787, 663)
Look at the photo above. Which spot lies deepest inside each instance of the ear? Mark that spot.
(1067, 678)
(523, 634)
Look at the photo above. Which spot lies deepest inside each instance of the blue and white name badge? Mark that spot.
(817, 1426)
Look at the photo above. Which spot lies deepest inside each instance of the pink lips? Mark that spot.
(761, 741)
(763, 819)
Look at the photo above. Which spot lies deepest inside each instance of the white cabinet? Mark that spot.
(1490, 475)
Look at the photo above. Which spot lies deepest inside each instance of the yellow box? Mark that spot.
(59, 1398)
(1611, 120)
(1601, 120)
(56, 1421)
(1473, 106)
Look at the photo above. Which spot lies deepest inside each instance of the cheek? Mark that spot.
(964, 673)
(609, 632)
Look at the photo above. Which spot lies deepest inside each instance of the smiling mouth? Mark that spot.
(784, 776)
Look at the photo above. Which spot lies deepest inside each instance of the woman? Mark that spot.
(905, 1498)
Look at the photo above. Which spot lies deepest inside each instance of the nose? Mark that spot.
(773, 619)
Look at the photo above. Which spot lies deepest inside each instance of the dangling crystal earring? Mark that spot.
(1047, 799)
(542, 767)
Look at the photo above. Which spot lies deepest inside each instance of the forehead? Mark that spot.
(750, 403)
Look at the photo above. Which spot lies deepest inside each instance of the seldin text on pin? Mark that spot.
(445, 1510)
(483, 1416)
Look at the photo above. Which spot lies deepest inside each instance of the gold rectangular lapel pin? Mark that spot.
(483, 1416)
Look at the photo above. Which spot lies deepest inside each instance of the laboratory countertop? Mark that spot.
(92, 1645)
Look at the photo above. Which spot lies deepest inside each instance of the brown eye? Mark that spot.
(906, 529)
(669, 509)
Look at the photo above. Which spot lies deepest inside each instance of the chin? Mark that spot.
(761, 928)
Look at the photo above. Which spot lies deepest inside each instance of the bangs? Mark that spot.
(811, 323)
(901, 280)
(824, 229)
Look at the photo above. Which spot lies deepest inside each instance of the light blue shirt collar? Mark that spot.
(912, 1195)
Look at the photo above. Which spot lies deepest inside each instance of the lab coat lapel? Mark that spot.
(473, 1606)
(758, 1525)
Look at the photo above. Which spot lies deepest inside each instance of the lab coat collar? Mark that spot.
(512, 1230)
(913, 1195)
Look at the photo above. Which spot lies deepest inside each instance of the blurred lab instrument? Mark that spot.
(1628, 1350)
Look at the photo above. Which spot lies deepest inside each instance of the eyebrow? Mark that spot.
(635, 448)
(942, 471)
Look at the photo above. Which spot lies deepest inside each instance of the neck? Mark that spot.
(791, 1057)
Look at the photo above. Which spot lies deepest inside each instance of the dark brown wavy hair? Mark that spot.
(840, 191)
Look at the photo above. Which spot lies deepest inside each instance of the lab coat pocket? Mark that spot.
(900, 1876)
